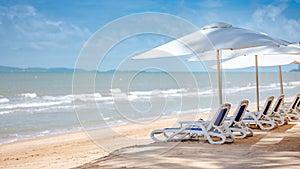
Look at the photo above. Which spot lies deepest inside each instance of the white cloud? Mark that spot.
(23, 26)
(268, 12)
(271, 20)
(53, 23)
(17, 11)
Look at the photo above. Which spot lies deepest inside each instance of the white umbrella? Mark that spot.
(263, 56)
(215, 37)
(210, 38)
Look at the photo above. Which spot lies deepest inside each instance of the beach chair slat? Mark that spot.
(240, 113)
(220, 117)
(265, 112)
(295, 103)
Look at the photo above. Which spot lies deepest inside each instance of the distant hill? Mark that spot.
(7, 69)
(296, 70)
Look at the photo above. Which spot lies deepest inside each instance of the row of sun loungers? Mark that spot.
(222, 129)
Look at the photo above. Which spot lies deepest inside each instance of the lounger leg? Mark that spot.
(176, 135)
(266, 124)
(227, 132)
(238, 130)
(209, 135)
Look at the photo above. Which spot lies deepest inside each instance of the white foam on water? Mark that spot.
(205, 92)
(18, 137)
(82, 97)
(32, 104)
(238, 89)
(28, 95)
(88, 97)
(294, 83)
(116, 90)
(5, 112)
(106, 118)
(140, 93)
(4, 100)
(158, 93)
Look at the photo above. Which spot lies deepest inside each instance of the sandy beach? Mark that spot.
(279, 148)
(130, 146)
(89, 84)
(75, 149)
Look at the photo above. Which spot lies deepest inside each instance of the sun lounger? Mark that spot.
(290, 111)
(274, 114)
(212, 130)
(261, 118)
(236, 124)
(298, 107)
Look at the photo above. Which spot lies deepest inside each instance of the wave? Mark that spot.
(4, 100)
(262, 88)
(116, 90)
(18, 137)
(32, 104)
(238, 89)
(294, 83)
(28, 95)
(5, 112)
(158, 93)
(44, 103)
(80, 97)
(39, 103)
(206, 92)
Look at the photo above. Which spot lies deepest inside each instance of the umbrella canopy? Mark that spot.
(263, 60)
(270, 50)
(262, 56)
(210, 38)
(214, 37)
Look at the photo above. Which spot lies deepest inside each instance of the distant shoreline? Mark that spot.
(8, 69)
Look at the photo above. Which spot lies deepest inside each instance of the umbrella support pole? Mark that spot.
(280, 78)
(257, 86)
(219, 77)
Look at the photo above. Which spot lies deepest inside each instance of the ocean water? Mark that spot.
(42, 104)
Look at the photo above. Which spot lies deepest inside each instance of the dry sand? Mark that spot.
(130, 147)
(279, 148)
(71, 150)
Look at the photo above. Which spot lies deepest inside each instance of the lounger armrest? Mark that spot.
(276, 114)
(205, 123)
(251, 114)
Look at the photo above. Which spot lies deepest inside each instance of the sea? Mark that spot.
(44, 104)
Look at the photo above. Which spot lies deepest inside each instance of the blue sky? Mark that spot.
(51, 33)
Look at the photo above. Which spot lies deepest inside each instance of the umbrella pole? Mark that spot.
(257, 86)
(219, 77)
(280, 78)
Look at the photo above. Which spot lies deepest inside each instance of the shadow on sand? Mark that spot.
(279, 148)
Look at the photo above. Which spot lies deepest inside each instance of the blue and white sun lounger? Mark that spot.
(212, 130)
(235, 122)
(261, 118)
(278, 118)
(290, 111)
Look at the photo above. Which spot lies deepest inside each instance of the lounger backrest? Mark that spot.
(295, 101)
(278, 103)
(240, 111)
(267, 105)
(221, 114)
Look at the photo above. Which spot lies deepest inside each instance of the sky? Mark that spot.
(51, 33)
